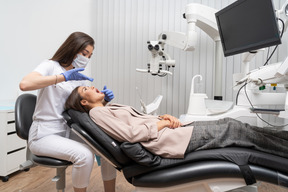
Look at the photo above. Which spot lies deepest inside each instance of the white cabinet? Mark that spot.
(12, 148)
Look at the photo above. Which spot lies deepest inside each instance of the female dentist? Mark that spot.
(49, 135)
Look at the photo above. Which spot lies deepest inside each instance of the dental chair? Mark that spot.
(214, 170)
(24, 109)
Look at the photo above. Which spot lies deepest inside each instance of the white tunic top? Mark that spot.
(51, 100)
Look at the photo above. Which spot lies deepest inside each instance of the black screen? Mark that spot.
(247, 25)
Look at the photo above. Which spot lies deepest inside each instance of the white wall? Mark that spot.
(31, 31)
(122, 30)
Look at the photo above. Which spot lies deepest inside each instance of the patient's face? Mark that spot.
(91, 94)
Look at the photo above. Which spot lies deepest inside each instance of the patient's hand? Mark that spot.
(173, 121)
(162, 124)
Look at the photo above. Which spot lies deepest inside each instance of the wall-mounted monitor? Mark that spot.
(247, 25)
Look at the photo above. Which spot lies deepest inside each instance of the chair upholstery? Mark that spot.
(24, 109)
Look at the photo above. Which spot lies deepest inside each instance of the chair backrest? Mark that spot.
(24, 109)
(98, 135)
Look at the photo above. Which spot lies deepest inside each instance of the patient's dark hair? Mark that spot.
(74, 101)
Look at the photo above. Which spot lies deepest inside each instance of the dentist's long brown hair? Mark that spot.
(75, 43)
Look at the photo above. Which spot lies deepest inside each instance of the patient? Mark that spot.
(166, 136)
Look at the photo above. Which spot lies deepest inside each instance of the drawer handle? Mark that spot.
(15, 150)
(11, 133)
(10, 122)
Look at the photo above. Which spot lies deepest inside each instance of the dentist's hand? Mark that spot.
(74, 75)
(108, 94)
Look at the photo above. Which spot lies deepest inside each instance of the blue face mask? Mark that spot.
(80, 61)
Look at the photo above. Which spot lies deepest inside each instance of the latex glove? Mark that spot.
(98, 159)
(74, 75)
(108, 94)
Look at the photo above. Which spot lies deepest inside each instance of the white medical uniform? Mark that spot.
(50, 136)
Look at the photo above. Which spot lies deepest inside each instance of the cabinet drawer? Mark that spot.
(11, 127)
(14, 142)
(14, 160)
(10, 116)
(10, 122)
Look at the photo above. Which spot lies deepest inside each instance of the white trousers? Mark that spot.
(71, 149)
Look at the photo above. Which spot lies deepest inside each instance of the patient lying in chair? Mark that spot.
(166, 136)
